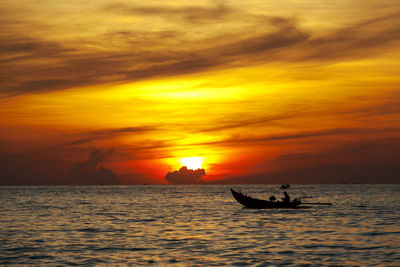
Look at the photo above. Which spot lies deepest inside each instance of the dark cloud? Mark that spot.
(30, 47)
(286, 35)
(108, 134)
(185, 176)
(239, 140)
(387, 104)
(362, 39)
(191, 14)
(301, 135)
(104, 176)
(52, 169)
(91, 171)
(95, 158)
(244, 122)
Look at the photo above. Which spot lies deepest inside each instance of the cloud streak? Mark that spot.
(239, 140)
(108, 134)
(191, 14)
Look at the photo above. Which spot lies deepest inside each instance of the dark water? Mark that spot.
(198, 226)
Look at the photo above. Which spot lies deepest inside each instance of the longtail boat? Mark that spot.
(254, 203)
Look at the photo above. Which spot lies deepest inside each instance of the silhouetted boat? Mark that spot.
(254, 203)
(285, 186)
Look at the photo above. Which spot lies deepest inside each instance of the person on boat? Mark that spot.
(272, 198)
(286, 198)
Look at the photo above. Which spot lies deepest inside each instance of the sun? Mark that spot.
(192, 163)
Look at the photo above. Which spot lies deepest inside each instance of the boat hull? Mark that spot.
(254, 203)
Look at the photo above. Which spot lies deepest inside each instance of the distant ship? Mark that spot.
(285, 186)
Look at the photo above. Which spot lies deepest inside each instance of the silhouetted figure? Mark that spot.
(286, 198)
(272, 198)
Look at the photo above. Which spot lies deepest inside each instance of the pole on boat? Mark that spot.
(317, 203)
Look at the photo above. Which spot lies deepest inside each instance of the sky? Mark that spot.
(104, 92)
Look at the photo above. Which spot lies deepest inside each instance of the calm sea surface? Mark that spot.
(198, 226)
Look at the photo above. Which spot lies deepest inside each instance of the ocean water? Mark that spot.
(198, 226)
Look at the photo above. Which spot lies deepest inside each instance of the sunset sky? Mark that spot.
(259, 91)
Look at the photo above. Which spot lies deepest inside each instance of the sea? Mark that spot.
(198, 225)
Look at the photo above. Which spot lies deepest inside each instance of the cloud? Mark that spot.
(238, 140)
(38, 65)
(185, 176)
(104, 176)
(190, 14)
(91, 171)
(361, 161)
(15, 48)
(246, 122)
(108, 134)
(53, 168)
(95, 158)
(362, 39)
(144, 148)
(68, 70)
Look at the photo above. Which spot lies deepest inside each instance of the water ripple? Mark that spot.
(198, 226)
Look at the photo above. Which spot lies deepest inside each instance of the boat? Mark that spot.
(254, 203)
(285, 186)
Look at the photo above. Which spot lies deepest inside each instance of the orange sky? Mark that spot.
(266, 92)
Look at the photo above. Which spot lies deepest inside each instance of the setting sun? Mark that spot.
(193, 163)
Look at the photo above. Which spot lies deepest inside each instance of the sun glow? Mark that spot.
(192, 163)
